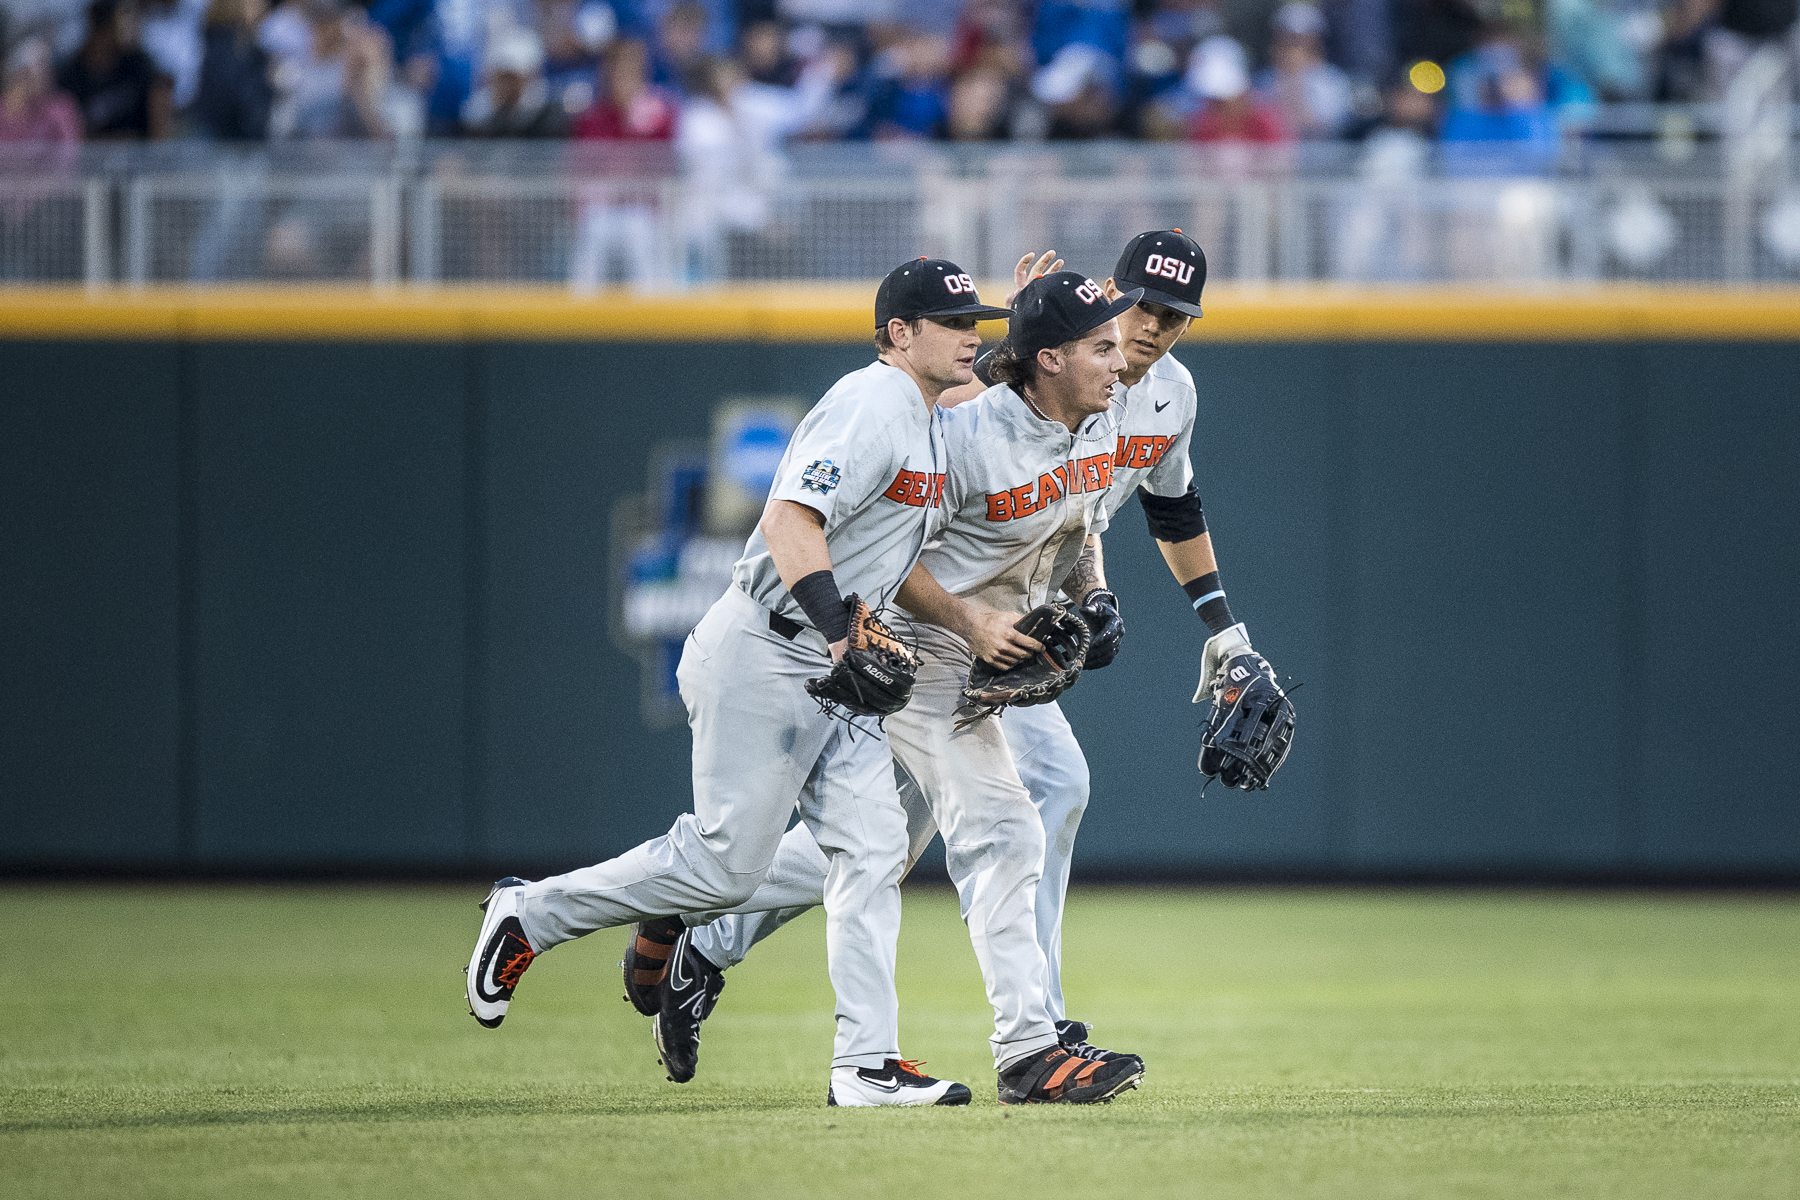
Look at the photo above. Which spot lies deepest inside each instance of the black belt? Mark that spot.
(786, 628)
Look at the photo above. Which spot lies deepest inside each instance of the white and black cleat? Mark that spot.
(502, 952)
(897, 1081)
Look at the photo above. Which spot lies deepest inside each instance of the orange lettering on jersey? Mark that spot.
(1024, 502)
(1000, 507)
(1096, 472)
(1048, 490)
(1138, 452)
(917, 488)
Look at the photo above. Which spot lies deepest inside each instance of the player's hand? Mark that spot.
(1219, 647)
(1027, 270)
(991, 635)
(837, 649)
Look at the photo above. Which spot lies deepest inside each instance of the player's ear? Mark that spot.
(899, 333)
(1050, 361)
(1111, 289)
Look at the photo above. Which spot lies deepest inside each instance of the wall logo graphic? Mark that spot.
(674, 546)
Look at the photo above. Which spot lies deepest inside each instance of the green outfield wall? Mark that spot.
(346, 602)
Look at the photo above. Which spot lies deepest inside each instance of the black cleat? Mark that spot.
(1055, 1076)
(1073, 1036)
(646, 961)
(686, 997)
(898, 1081)
(501, 954)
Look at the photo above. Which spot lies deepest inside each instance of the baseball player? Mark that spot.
(853, 503)
(1031, 462)
(1154, 417)
(1154, 413)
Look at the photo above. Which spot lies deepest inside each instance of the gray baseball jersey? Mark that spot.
(1155, 422)
(868, 457)
(1021, 496)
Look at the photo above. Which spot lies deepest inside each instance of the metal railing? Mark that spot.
(455, 214)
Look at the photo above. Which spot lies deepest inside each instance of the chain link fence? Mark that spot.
(449, 214)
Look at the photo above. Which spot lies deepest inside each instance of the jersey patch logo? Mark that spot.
(820, 477)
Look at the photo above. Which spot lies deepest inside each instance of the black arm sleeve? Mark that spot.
(818, 596)
(1173, 518)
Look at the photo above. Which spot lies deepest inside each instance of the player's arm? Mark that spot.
(1189, 560)
(1179, 527)
(1099, 607)
(1089, 571)
(988, 631)
(796, 538)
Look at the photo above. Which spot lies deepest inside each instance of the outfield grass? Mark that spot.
(312, 1041)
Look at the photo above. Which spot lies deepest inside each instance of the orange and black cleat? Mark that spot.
(646, 961)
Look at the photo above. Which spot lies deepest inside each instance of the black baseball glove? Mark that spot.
(1251, 728)
(1101, 610)
(875, 676)
(1042, 677)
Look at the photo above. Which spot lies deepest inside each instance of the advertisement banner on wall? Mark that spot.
(674, 546)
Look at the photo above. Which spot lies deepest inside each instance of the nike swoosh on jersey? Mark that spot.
(1164, 405)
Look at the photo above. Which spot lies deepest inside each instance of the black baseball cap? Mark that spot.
(1059, 308)
(1170, 267)
(930, 287)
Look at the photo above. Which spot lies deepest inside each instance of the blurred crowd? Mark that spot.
(726, 73)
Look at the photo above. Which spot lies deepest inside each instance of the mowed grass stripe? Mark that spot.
(308, 1041)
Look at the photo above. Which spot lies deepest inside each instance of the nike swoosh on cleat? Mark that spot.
(489, 989)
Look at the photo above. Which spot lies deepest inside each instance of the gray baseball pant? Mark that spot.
(761, 748)
(965, 784)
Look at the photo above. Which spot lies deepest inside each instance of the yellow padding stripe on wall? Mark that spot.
(843, 313)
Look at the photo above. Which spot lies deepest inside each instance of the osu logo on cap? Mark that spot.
(1089, 293)
(956, 285)
(1168, 266)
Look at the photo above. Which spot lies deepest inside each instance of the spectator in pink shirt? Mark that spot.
(32, 108)
(40, 138)
(629, 108)
(627, 143)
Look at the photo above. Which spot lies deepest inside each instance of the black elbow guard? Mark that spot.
(1173, 518)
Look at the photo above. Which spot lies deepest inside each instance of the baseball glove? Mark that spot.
(1251, 728)
(1042, 677)
(875, 676)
